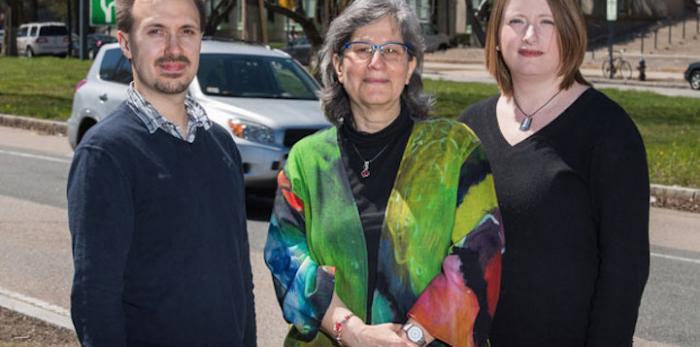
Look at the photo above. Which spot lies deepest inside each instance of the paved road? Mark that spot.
(35, 258)
(477, 73)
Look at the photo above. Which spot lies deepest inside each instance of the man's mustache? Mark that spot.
(172, 59)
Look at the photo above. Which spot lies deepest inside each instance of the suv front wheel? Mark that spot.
(695, 80)
(29, 53)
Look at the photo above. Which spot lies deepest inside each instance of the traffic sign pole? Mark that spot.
(84, 25)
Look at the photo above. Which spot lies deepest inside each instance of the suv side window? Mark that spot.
(53, 30)
(33, 31)
(115, 67)
(123, 73)
(22, 32)
(109, 64)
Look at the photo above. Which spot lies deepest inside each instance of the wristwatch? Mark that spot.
(414, 334)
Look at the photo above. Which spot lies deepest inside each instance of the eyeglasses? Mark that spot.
(390, 51)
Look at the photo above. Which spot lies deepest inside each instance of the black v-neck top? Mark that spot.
(372, 193)
(575, 203)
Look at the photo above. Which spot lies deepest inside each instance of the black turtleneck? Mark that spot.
(372, 193)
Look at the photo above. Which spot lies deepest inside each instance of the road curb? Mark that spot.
(637, 83)
(36, 308)
(40, 125)
(675, 193)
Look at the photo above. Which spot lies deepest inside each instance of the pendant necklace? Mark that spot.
(527, 122)
(365, 166)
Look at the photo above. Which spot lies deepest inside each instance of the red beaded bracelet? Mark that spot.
(338, 328)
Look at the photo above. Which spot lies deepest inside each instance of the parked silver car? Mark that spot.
(263, 97)
(45, 38)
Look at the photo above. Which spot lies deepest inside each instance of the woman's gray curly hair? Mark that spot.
(334, 100)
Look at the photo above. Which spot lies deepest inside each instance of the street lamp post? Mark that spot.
(612, 17)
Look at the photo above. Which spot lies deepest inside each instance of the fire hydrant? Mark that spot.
(642, 70)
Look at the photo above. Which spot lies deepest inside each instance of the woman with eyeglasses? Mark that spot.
(385, 229)
(572, 182)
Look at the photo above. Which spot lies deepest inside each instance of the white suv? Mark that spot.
(46, 38)
(263, 97)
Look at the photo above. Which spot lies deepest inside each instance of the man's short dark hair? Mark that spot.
(125, 20)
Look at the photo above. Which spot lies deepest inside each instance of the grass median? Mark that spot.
(39, 87)
(43, 88)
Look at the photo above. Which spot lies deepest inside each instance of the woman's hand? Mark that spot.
(358, 334)
(426, 335)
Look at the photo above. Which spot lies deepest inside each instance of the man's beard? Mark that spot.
(170, 87)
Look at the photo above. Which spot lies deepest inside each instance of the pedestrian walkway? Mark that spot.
(662, 70)
(662, 66)
(476, 72)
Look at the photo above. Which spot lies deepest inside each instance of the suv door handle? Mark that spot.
(103, 97)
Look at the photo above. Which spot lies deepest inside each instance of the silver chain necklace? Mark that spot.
(527, 122)
(365, 166)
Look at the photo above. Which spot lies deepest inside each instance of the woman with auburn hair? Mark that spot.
(572, 183)
(385, 230)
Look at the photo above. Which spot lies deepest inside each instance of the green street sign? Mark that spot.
(102, 12)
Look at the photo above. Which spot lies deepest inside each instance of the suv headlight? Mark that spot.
(251, 131)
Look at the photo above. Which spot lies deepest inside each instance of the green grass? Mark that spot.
(670, 126)
(39, 87)
(278, 45)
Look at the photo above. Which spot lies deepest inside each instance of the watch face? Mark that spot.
(415, 334)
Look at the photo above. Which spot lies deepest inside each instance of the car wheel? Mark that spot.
(442, 47)
(85, 125)
(695, 80)
(29, 53)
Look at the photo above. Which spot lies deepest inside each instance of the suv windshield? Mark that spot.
(254, 77)
(53, 30)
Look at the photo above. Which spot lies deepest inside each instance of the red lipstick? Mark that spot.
(530, 52)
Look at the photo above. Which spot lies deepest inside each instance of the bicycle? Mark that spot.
(621, 68)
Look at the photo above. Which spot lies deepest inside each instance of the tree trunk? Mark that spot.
(11, 25)
(218, 15)
(252, 21)
(263, 21)
(33, 14)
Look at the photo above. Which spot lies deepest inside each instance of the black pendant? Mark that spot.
(525, 124)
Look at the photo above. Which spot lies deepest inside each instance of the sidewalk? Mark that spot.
(663, 70)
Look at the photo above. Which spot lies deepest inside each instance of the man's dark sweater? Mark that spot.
(159, 238)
